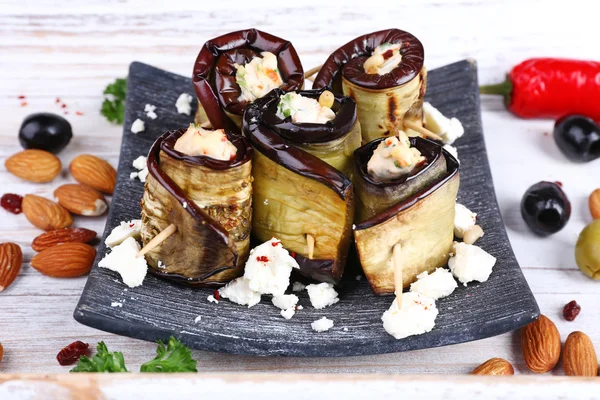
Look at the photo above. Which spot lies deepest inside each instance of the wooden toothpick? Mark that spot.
(310, 243)
(397, 263)
(157, 240)
(422, 130)
(308, 74)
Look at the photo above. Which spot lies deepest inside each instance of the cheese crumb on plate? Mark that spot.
(285, 301)
(239, 292)
(417, 316)
(471, 263)
(322, 295)
(124, 231)
(269, 268)
(138, 126)
(439, 284)
(184, 104)
(464, 219)
(322, 325)
(149, 110)
(122, 259)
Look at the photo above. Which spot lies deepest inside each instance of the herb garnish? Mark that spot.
(113, 107)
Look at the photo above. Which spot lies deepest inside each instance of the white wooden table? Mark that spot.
(72, 50)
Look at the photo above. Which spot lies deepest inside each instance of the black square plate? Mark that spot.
(159, 308)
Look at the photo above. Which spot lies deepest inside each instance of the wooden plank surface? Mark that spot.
(72, 50)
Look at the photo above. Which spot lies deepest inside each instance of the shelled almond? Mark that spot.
(59, 236)
(11, 258)
(94, 172)
(541, 345)
(67, 260)
(45, 214)
(494, 366)
(34, 165)
(579, 356)
(595, 204)
(81, 200)
(1, 352)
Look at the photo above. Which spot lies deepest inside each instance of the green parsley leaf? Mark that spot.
(113, 107)
(175, 357)
(102, 361)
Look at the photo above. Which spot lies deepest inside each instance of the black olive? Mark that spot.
(545, 208)
(45, 131)
(578, 137)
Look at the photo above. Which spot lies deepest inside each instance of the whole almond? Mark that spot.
(66, 260)
(81, 199)
(1, 352)
(11, 258)
(34, 165)
(45, 214)
(579, 356)
(58, 236)
(494, 366)
(595, 204)
(94, 172)
(541, 345)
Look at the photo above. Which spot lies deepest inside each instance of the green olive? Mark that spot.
(587, 250)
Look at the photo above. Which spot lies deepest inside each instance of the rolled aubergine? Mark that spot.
(384, 73)
(415, 210)
(299, 196)
(233, 70)
(209, 201)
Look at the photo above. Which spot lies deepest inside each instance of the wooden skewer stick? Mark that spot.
(157, 240)
(397, 263)
(312, 71)
(310, 243)
(205, 124)
(422, 130)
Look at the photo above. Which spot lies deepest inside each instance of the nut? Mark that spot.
(595, 204)
(473, 234)
(1, 352)
(579, 356)
(94, 172)
(59, 236)
(34, 165)
(494, 366)
(81, 199)
(11, 258)
(541, 345)
(66, 260)
(45, 214)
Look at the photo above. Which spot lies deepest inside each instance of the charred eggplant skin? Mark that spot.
(214, 73)
(296, 193)
(212, 240)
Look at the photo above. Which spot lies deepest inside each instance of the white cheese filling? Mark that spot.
(303, 109)
(322, 295)
(125, 230)
(322, 325)
(122, 259)
(417, 316)
(238, 291)
(471, 263)
(258, 77)
(449, 129)
(439, 284)
(384, 59)
(197, 141)
(393, 158)
(464, 219)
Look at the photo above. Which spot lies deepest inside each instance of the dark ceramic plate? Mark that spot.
(160, 308)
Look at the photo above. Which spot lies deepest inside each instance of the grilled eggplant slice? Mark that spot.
(384, 101)
(297, 193)
(210, 202)
(416, 211)
(214, 76)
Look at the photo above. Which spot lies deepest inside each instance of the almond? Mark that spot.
(595, 204)
(94, 172)
(59, 236)
(541, 345)
(81, 199)
(1, 352)
(45, 214)
(579, 356)
(11, 258)
(34, 165)
(66, 260)
(494, 366)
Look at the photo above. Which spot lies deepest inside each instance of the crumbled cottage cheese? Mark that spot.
(140, 164)
(288, 314)
(439, 284)
(258, 77)
(285, 301)
(138, 126)
(417, 316)
(322, 295)
(298, 287)
(303, 109)
(198, 319)
(449, 129)
(149, 110)
(197, 141)
(184, 104)
(471, 263)
(269, 267)
(124, 231)
(238, 291)
(464, 219)
(211, 299)
(452, 150)
(322, 325)
(393, 158)
(116, 304)
(122, 259)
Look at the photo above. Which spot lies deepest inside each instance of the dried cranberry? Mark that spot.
(71, 353)
(571, 310)
(12, 203)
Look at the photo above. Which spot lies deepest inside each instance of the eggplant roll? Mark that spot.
(299, 187)
(234, 69)
(415, 210)
(209, 201)
(384, 73)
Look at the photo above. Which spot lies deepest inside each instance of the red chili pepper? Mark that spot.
(551, 88)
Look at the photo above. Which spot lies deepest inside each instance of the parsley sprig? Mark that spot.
(103, 361)
(113, 107)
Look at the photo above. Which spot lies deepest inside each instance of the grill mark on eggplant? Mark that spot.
(392, 107)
